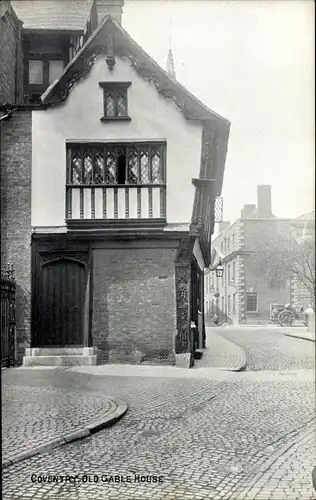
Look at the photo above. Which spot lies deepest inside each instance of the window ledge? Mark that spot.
(110, 224)
(115, 118)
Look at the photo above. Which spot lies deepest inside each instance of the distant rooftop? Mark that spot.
(69, 15)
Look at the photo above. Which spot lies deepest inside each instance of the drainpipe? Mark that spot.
(7, 116)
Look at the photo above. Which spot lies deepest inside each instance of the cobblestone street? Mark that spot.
(228, 435)
(270, 349)
(47, 414)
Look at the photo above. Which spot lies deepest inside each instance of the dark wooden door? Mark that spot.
(61, 301)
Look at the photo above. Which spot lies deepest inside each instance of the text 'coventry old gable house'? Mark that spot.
(123, 165)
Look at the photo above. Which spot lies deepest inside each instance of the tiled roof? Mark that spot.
(52, 14)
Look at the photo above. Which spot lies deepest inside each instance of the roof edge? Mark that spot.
(203, 113)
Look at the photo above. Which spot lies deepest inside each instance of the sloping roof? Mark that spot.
(142, 61)
(7, 10)
(70, 15)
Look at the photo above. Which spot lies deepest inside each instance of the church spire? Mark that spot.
(170, 63)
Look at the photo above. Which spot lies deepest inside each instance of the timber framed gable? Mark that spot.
(112, 41)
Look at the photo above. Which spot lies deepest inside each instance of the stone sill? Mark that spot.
(115, 118)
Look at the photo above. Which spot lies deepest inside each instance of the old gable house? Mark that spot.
(110, 170)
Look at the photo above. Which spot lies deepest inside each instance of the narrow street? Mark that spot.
(269, 349)
(209, 433)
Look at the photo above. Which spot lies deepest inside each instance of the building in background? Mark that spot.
(303, 230)
(110, 170)
(254, 277)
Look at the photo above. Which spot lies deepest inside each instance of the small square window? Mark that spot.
(115, 100)
(35, 72)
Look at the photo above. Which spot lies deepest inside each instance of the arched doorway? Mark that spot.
(61, 304)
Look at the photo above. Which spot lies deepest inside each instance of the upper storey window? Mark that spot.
(36, 72)
(115, 102)
(42, 72)
(116, 181)
(142, 163)
(55, 69)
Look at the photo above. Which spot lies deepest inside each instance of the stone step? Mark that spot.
(59, 351)
(70, 360)
(198, 353)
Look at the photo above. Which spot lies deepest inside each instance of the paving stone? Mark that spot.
(34, 416)
(220, 352)
(270, 349)
(207, 437)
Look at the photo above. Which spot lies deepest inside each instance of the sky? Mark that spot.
(252, 61)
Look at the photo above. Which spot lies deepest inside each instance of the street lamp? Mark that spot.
(219, 269)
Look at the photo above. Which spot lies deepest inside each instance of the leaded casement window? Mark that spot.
(115, 102)
(116, 181)
(251, 302)
(142, 163)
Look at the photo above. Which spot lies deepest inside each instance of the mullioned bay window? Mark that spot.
(116, 181)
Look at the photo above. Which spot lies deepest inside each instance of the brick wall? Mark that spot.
(134, 316)
(16, 158)
(10, 43)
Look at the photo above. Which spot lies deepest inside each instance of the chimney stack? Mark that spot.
(113, 8)
(264, 202)
(248, 212)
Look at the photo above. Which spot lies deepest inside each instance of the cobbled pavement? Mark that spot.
(236, 436)
(33, 416)
(207, 438)
(221, 353)
(270, 349)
